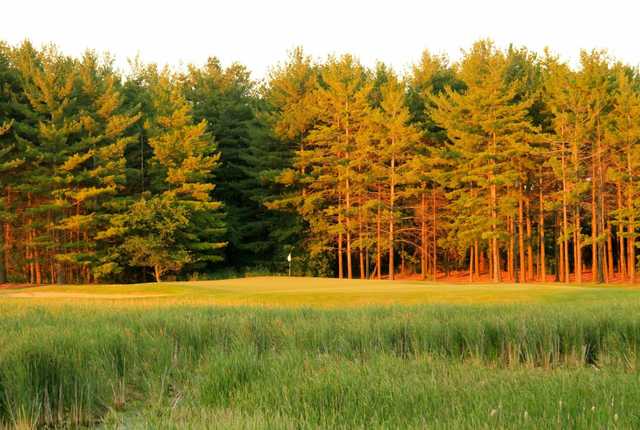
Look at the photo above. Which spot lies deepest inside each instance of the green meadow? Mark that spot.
(306, 353)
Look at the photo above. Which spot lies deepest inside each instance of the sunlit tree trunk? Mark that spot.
(529, 246)
(522, 274)
(577, 249)
(340, 268)
(564, 249)
(348, 234)
(476, 262)
(379, 237)
(622, 261)
(434, 212)
(511, 249)
(543, 268)
(631, 239)
(392, 196)
(423, 236)
(594, 222)
(471, 258)
(495, 253)
(361, 241)
(609, 252)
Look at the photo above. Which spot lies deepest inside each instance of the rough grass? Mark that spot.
(559, 357)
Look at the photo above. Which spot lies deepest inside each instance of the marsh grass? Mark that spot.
(440, 366)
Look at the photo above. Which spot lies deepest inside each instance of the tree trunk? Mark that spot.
(36, 261)
(603, 269)
(392, 197)
(471, 264)
(631, 230)
(543, 268)
(490, 254)
(4, 245)
(60, 274)
(564, 249)
(340, 268)
(578, 246)
(529, 246)
(631, 253)
(594, 223)
(32, 276)
(157, 273)
(3, 270)
(609, 253)
(348, 219)
(8, 247)
(366, 255)
(379, 238)
(511, 250)
(557, 250)
(361, 241)
(622, 261)
(423, 237)
(522, 274)
(563, 275)
(494, 231)
(434, 211)
(476, 262)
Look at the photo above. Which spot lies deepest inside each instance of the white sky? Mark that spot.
(260, 33)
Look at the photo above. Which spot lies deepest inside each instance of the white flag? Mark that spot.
(289, 258)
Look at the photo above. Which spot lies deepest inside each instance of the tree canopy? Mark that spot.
(506, 165)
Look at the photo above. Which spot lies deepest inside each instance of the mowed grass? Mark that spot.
(319, 292)
(316, 353)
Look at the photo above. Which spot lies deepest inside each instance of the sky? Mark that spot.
(259, 34)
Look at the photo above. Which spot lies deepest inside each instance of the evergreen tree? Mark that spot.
(224, 98)
(11, 120)
(290, 96)
(485, 124)
(623, 138)
(397, 140)
(180, 170)
(329, 206)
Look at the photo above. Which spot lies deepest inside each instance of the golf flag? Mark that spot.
(289, 258)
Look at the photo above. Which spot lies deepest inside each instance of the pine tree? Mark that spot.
(180, 170)
(94, 172)
(594, 85)
(11, 120)
(183, 163)
(431, 76)
(623, 139)
(485, 124)
(290, 98)
(49, 82)
(396, 144)
(224, 98)
(342, 103)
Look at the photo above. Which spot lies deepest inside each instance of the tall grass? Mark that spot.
(440, 366)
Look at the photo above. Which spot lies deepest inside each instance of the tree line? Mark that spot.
(506, 165)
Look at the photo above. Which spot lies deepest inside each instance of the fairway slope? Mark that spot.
(318, 292)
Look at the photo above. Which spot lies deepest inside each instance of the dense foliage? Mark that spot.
(506, 165)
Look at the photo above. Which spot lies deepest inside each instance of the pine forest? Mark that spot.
(503, 166)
